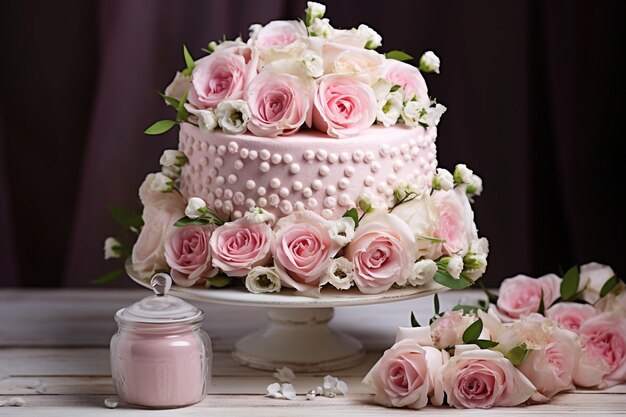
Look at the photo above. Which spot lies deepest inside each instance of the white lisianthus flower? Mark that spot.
(429, 62)
(382, 88)
(374, 40)
(233, 116)
(314, 11)
(411, 113)
(112, 248)
(262, 279)
(340, 274)
(178, 87)
(475, 186)
(258, 215)
(389, 108)
(423, 272)
(172, 172)
(432, 115)
(342, 230)
(443, 180)
(212, 46)
(321, 28)
(173, 157)
(402, 190)
(162, 183)
(462, 174)
(206, 119)
(313, 65)
(253, 29)
(455, 266)
(476, 259)
(196, 207)
(369, 202)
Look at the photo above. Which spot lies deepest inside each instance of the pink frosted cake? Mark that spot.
(306, 159)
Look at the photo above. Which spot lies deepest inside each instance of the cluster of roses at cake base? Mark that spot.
(525, 357)
(291, 74)
(422, 236)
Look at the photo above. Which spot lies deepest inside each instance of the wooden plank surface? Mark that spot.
(54, 354)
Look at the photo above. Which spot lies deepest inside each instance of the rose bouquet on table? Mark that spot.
(539, 337)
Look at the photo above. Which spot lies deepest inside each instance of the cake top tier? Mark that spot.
(294, 73)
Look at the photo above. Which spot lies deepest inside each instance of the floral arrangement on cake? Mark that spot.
(293, 73)
(538, 337)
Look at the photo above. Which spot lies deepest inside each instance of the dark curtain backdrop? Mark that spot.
(534, 91)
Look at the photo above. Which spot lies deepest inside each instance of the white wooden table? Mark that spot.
(60, 338)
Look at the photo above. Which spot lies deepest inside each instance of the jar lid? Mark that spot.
(160, 308)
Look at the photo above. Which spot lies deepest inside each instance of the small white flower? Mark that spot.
(258, 215)
(313, 65)
(340, 274)
(162, 183)
(196, 207)
(320, 27)
(423, 271)
(172, 172)
(262, 279)
(212, 46)
(374, 40)
(443, 180)
(429, 62)
(206, 119)
(432, 116)
(342, 230)
(369, 202)
(381, 88)
(233, 116)
(173, 157)
(455, 266)
(475, 186)
(403, 190)
(254, 29)
(284, 374)
(476, 259)
(112, 248)
(314, 10)
(462, 174)
(411, 113)
(389, 108)
(289, 392)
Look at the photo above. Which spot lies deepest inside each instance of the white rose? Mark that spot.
(374, 40)
(346, 59)
(342, 230)
(162, 183)
(421, 216)
(178, 87)
(262, 279)
(423, 271)
(313, 65)
(432, 115)
(462, 174)
(207, 120)
(258, 215)
(443, 180)
(314, 11)
(196, 207)
(340, 274)
(429, 62)
(389, 108)
(233, 116)
(411, 113)
(455, 266)
(112, 248)
(173, 157)
(320, 27)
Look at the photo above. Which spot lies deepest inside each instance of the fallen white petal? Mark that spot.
(14, 402)
(110, 403)
(284, 374)
(289, 392)
(342, 387)
(273, 389)
(330, 383)
(33, 385)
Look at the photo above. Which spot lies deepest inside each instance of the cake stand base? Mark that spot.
(300, 339)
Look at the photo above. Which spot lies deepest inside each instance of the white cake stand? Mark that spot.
(297, 334)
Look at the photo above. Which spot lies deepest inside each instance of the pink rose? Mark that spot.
(448, 329)
(604, 337)
(591, 371)
(455, 220)
(571, 315)
(481, 378)
(188, 253)
(302, 248)
(279, 104)
(403, 377)
(223, 75)
(344, 106)
(239, 246)
(408, 77)
(383, 252)
(279, 34)
(592, 277)
(161, 211)
(521, 295)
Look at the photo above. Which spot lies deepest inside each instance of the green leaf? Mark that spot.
(485, 344)
(398, 55)
(160, 127)
(492, 297)
(569, 284)
(186, 221)
(414, 322)
(517, 354)
(473, 331)
(219, 281)
(445, 279)
(126, 218)
(542, 306)
(170, 100)
(108, 277)
(182, 114)
(436, 302)
(609, 285)
(354, 215)
(188, 61)
(432, 239)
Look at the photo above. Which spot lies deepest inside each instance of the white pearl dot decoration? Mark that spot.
(228, 206)
(261, 191)
(392, 179)
(239, 197)
(264, 167)
(311, 203)
(357, 156)
(273, 199)
(265, 155)
(421, 161)
(218, 203)
(344, 200)
(203, 146)
(307, 192)
(333, 158)
(274, 183)
(285, 207)
(327, 213)
(287, 158)
(219, 192)
(349, 171)
(196, 146)
(221, 150)
(412, 142)
(204, 161)
(237, 214)
(344, 156)
(253, 155)
(233, 147)
(330, 202)
(250, 203)
(343, 183)
(369, 180)
(331, 190)
(321, 154)
(212, 173)
(431, 156)
(294, 168)
(375, 167)
(317, 185)
(415, 152)
(397, 165)
(404, 148)
(407, 157)
(395, 151)
(228, 194)
(212, 150)
(276, 158)
(297, 185)
(250, 184)
(244, 152)
(284, 192)
(369, 156)
(238, 164)
(261, 202)
(324, 170)
(308, 155)
(232, 178)
(219, 162)
(384, 151)
(220, 180)
(381, 187)
(299, 205)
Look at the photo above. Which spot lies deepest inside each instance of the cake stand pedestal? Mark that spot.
(297, 334)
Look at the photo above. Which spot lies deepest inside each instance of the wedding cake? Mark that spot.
(306, 159)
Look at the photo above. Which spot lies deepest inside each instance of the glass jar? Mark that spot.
(160, 357)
